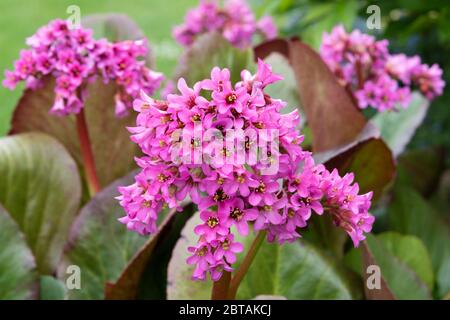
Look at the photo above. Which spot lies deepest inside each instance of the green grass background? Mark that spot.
(20, 19)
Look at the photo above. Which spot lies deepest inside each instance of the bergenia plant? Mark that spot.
(239, 159)
(75, 59)
(235, 21)
(379, 79)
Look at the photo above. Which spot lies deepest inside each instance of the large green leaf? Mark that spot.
(99, 244)
(51, 288)
(421, 168)
(113, 151)
(18, 276)
(404, 262)
(409, 213)
(40, 188)
(295, 271)
(398, 127)
(208, 51)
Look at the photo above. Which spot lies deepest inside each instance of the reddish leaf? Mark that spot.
(376, 294)
(127, 285)
(113, 151)
(372, 163)
(332, 115)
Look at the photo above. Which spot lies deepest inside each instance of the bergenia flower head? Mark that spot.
(235, 21)
(239, 159)
(379, 79)
(74, 58)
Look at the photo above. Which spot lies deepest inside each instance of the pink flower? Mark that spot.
(227, 248)
(267, 27)
(230, 99)
(237, 215)
(214, 226)
(232, 195)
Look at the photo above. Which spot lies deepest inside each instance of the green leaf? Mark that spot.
(398, 128)
(210, 50)
(421, 168)
(99, 244)
(18, 276)
(295, 271)
(412, 252)
(408, 253)
(409, 213)
(51, 289)
(397, 269)
(322, 232)
(40, 188)
(113, 151)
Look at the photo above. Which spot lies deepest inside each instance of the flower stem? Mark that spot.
(86, 152)
(243, 268)
(220, 288)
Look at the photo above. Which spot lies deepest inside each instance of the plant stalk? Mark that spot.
(220, 288)
(243, 268)
(87, 154)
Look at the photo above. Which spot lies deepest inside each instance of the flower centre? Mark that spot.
(220, 195)
(226, 244)
(236, 214)
(195, 117)
(231, 98)
(212, 222)
(291, 213)
(146, 204)
(201, 252)
(261, 188)
(267, 208)
(240, 179)
(162, 178)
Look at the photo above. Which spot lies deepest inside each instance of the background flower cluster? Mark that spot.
(235, 21)
(74, 58)
(380, 80)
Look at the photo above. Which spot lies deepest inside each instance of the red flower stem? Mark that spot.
(243, 268)
(86, 152)
(359, 75)
(220, 288)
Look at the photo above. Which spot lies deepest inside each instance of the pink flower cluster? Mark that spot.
(235, 21)
(379, 79)
(74, 59)
(232, 196)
